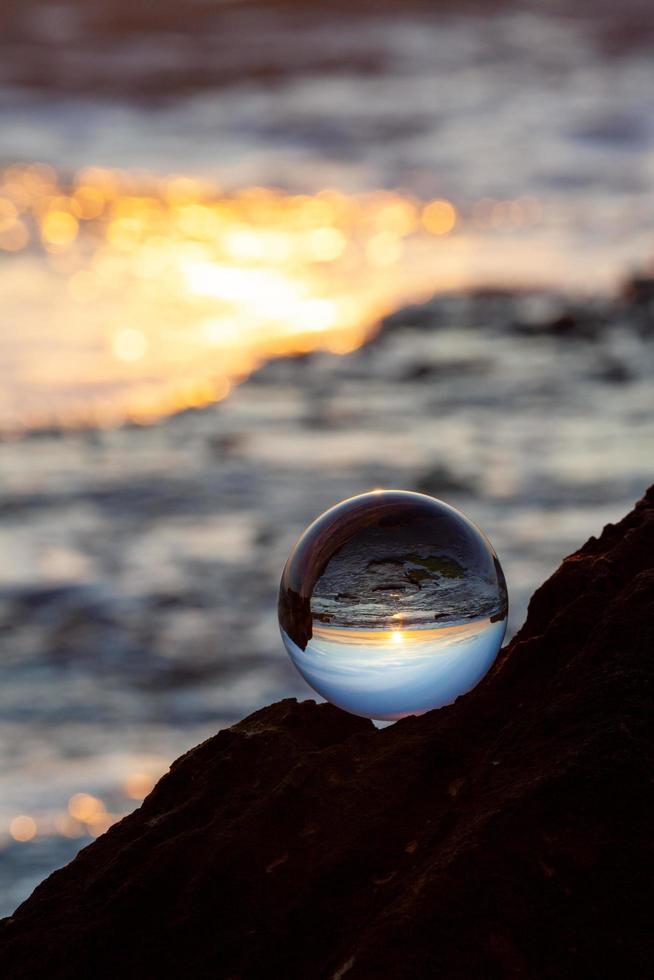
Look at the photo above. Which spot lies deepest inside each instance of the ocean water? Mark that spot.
(206, 203)
(140, 564)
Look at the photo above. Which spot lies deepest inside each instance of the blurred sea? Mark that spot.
(140, 563)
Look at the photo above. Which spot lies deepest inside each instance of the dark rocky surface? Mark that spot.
(505, 836)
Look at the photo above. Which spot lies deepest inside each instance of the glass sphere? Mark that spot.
(392, 603)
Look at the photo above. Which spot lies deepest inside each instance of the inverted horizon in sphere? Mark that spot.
(392, 603)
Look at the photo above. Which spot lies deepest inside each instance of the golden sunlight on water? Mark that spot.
(130, 296)
(85, 815)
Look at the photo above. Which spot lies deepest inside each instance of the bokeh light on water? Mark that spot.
(392, 603)
(162, 293)
(139, 296)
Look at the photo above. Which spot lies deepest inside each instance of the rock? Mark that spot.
(415, 316)
(571, 324)
(613, 371)
(433, 371)
(639, 291)
(439, 481)
(638, 296)
(504, 836)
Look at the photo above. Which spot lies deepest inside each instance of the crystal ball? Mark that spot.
(392, 603)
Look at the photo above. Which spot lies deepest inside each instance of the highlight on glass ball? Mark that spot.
(392, 603)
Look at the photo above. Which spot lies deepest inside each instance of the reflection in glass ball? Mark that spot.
(392, 603)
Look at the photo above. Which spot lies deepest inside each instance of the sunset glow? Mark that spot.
(162, 293)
